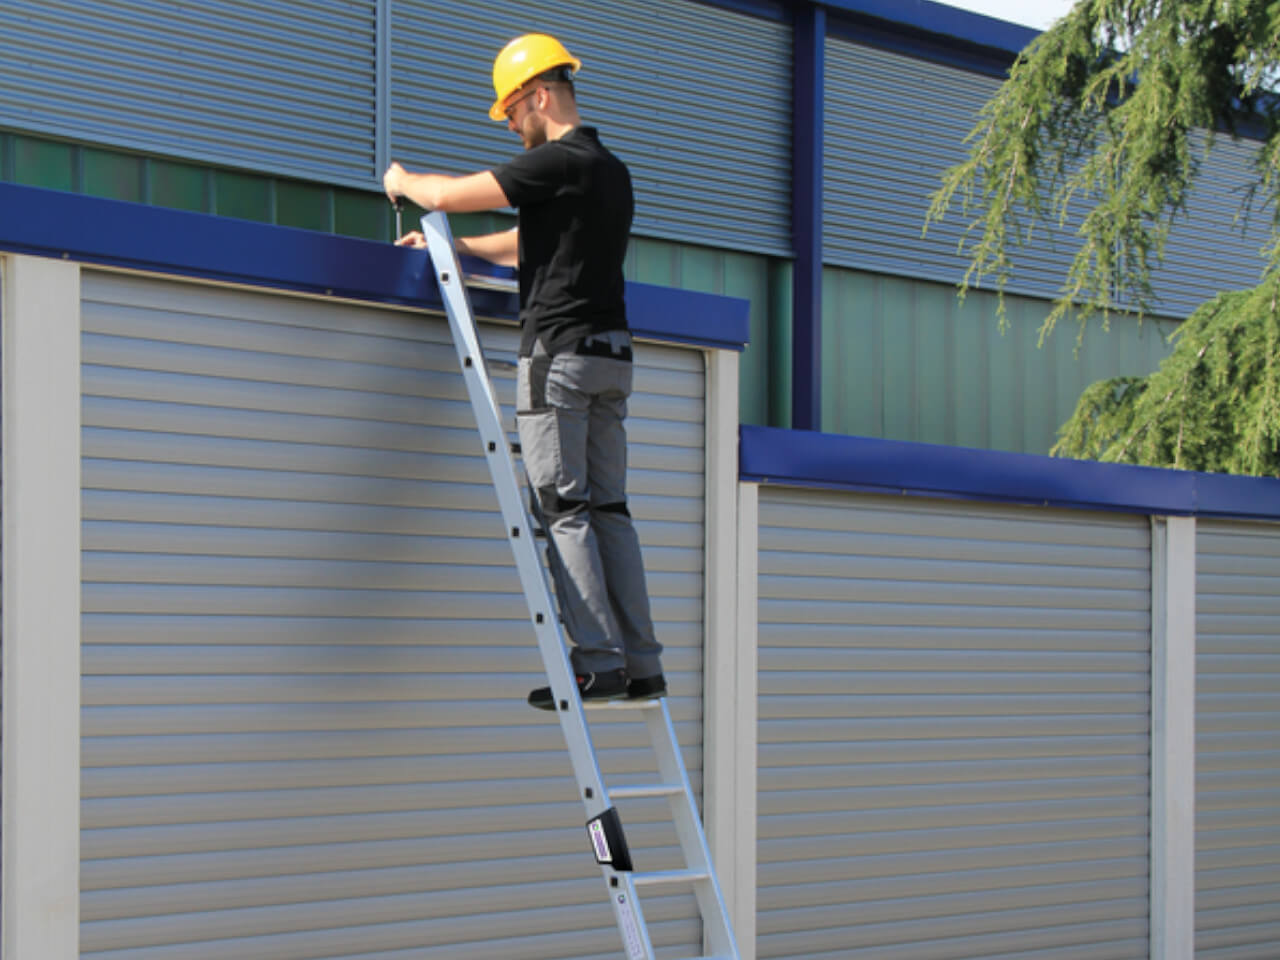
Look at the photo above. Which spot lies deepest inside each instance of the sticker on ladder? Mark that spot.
(630, 930)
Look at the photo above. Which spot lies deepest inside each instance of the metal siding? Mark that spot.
(1215, 246)
(896, 124)
(306, 653)
(1237, 741)
(751, 277)
(905, 359)
(701, 174)
(287, 88)
(954, 730)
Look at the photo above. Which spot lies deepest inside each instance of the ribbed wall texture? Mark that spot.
(1237, 741)
(287, 87)
(895, 124)
(954, 733)
(306, 652)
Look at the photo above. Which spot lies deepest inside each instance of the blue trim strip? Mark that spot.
(798, 458)
(50, 223)
(942, 21)
(916, 27)
(809, 58)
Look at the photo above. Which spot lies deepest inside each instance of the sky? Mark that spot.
(1029, 13)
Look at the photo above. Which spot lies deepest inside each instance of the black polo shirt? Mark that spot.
(575, 205)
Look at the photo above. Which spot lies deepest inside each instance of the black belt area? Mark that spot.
(602, 348)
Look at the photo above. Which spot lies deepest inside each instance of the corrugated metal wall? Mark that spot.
(292, 89)
(287, 87)
(895, 124)
(651, 79)
(1237, 741)
(954, 730)
(905, 359)
(306, 653)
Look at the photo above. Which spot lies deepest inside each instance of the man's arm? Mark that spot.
(435, 191)
(500, 248)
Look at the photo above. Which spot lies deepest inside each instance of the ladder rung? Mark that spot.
(718, 956)
(479, 281)
(621, 704)
(662, 877)
(646, 790)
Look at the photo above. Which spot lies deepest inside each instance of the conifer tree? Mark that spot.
(1101, 120)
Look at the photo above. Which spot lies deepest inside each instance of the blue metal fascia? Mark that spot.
(919, 28)
(800, 458)
(943, 22)
(51, 223)
(764, 9)
(809, 45)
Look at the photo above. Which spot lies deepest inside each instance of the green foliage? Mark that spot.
(1214, 404)
(1093, 129)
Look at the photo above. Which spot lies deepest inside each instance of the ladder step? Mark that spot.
(663, 877)
(646, 790)
(479, 281)
(621, 704)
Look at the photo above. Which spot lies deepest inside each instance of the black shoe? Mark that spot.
(647, 688)
(607, 685)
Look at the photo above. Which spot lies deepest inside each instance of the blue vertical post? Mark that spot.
(809, 55)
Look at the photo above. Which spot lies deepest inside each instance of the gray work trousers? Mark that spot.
(569, 411)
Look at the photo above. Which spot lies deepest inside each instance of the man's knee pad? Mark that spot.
(555, 506)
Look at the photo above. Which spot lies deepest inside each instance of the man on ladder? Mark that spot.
(575, 208)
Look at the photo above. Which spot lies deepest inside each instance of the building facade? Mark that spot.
(264, 652)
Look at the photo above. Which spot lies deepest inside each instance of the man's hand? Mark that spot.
(413, 238)
(435, 191)
(393, 182)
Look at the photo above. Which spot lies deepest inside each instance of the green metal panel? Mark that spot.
(242, 195)
(181, 186)
(764, 391)
(906, 360)
(107, 173)
(305, 205)
(43, 163)
(357, 214)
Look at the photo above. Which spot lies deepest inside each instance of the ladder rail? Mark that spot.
(550, 634)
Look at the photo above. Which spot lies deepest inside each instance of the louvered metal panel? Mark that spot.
(954, 730)
(894, 124)
(288, 87)
(306, 651)
(694, 98)
(1237, 741)
(884, 160)
(1216, 245)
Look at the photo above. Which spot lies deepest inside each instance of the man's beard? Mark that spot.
(534, 134)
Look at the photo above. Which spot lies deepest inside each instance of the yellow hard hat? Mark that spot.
(523, 59)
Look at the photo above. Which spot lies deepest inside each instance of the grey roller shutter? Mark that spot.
(1237, 741)
(286, 87)
(305, 650)
(954, 733)
(694, 98)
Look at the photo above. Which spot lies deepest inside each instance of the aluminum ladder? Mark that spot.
(604, 827)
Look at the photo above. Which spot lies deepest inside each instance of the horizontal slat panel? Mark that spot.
(286, 88)
(306, 652)
(882, 164)
(954, 733)
(1237, 740)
